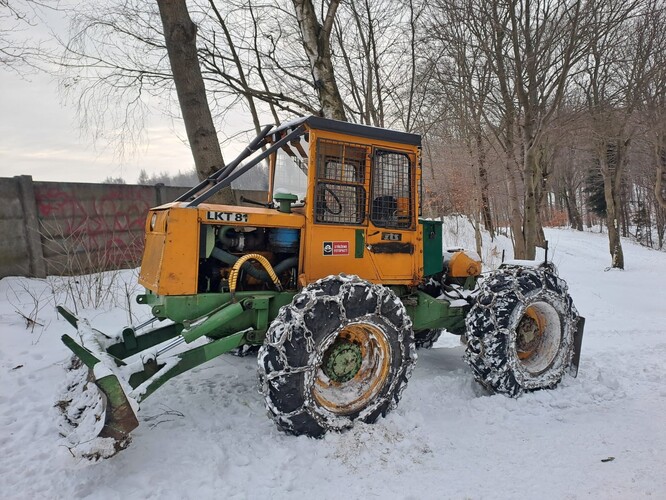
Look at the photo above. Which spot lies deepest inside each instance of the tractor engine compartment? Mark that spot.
(222, 246)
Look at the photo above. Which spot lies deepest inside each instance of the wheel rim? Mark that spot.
(538, 337)
(354, 370)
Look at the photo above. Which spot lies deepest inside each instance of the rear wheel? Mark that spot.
(341, 351)
(520, 330)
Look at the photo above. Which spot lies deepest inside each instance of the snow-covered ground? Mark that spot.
(205, 434)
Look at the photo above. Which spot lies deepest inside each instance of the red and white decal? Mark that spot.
(336, 248)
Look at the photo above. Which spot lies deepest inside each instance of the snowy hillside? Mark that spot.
(205, 434)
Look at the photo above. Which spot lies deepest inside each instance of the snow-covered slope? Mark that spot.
(206, 435)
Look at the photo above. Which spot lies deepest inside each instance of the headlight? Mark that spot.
(153, 220)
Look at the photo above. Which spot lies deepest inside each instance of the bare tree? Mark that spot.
(617, 69)
(17, 17)
(256, 60)
(463, 81)
(361, 76)
(242, 79)
(468, 57)
(547, 40)
(317, 44)
(11, 50)
(531, 51)
(654, 97)
(568, 169)
(180, 35)
(251, 56)
(660, 183)
(115, 71)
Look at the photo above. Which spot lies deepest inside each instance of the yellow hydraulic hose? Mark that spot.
(233, 274)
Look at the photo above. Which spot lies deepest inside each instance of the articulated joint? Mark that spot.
(233, 274)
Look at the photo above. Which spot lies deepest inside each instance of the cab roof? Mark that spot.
(319, 123)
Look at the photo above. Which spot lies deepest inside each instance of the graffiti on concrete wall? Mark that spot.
(93, 227)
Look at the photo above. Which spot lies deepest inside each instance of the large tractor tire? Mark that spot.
(341, 352)
(520, 332)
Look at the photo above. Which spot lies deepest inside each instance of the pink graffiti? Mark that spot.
(110, 226)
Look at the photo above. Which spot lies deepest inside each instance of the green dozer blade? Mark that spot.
(119, 417)
(115, 373)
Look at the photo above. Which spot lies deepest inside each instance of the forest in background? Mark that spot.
(533, 113)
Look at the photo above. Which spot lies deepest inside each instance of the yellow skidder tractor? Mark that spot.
(335, 280)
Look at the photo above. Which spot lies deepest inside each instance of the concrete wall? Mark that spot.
(56, 228)
(67, 228)
(14, 256)
(94, 227)
(73, 228)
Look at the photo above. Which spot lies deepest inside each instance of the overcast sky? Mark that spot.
(40, 136)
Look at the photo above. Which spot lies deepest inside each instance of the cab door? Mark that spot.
(338, 217)
(392, 239)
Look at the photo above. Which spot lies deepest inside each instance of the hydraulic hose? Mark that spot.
(259, 274)
(263, 261)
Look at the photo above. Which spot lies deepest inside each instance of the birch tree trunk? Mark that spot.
(317, 45)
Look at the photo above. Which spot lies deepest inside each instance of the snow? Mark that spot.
(522, 262)
(205, 434)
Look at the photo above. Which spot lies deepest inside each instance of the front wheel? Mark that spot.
(342, 351)
(520, 331)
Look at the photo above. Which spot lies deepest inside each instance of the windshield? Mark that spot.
(291, 169)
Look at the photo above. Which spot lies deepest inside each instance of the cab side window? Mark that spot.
(391, 190)
(340, 190)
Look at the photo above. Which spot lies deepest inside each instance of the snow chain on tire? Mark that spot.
(521, 330)
(311, 334)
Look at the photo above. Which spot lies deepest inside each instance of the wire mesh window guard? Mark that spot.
(340, 192)
(391, 188)
(420, 212)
